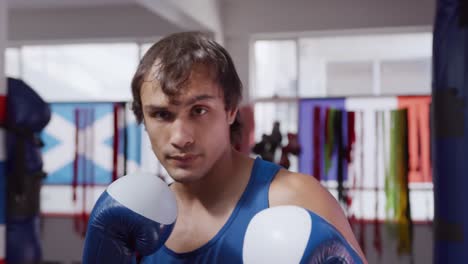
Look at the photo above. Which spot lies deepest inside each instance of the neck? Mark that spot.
(224, 182)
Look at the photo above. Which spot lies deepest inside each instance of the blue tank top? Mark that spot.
(226, 245)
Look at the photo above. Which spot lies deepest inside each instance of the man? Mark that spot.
(186, 92)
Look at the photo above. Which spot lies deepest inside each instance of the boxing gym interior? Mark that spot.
(369, 97)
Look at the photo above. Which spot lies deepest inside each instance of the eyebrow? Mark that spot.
(198, 98)
(203, 97)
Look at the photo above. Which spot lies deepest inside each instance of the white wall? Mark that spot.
(208, 13)
(244, 18)
(114, 19)
(201, 15)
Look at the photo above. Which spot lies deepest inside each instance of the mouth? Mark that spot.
(184, 158)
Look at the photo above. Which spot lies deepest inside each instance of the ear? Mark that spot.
(231, 115)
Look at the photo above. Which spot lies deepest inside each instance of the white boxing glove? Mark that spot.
(293, 235)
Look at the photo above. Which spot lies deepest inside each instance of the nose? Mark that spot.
(182, 134)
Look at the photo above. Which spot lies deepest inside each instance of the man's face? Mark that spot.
(189, 133)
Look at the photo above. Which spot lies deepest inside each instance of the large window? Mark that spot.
(377, 64)
(276, 68)
(12, 62)
(334, 66)
(77, 72)
(85, 79)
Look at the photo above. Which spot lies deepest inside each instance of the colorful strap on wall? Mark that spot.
(362, 227)
(83, 171)
(378, 150)
(341, 152)
(398, 179)
(420, 168)
(317, 138)
(64, 163)
(329, 138)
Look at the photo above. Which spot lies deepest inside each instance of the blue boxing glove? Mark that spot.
(136, 213)
(291, 234)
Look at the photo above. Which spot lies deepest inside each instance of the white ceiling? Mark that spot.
(71, 20)
(33, 4)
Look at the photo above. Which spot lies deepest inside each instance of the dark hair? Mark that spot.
(175, 56)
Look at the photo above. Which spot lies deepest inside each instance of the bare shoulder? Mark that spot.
(290, 188)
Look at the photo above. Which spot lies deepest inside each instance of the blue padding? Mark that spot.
(450, 134)
(3, 195)
(115, 233)
(326, 245)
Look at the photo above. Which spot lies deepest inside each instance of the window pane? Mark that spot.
(94, 72)
(405, 55)
(349, 78)
(12, 63)
(275, 69)
(312, 69)
(410, 76)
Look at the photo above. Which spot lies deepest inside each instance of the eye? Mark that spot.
(162, 115)
(198, 110)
